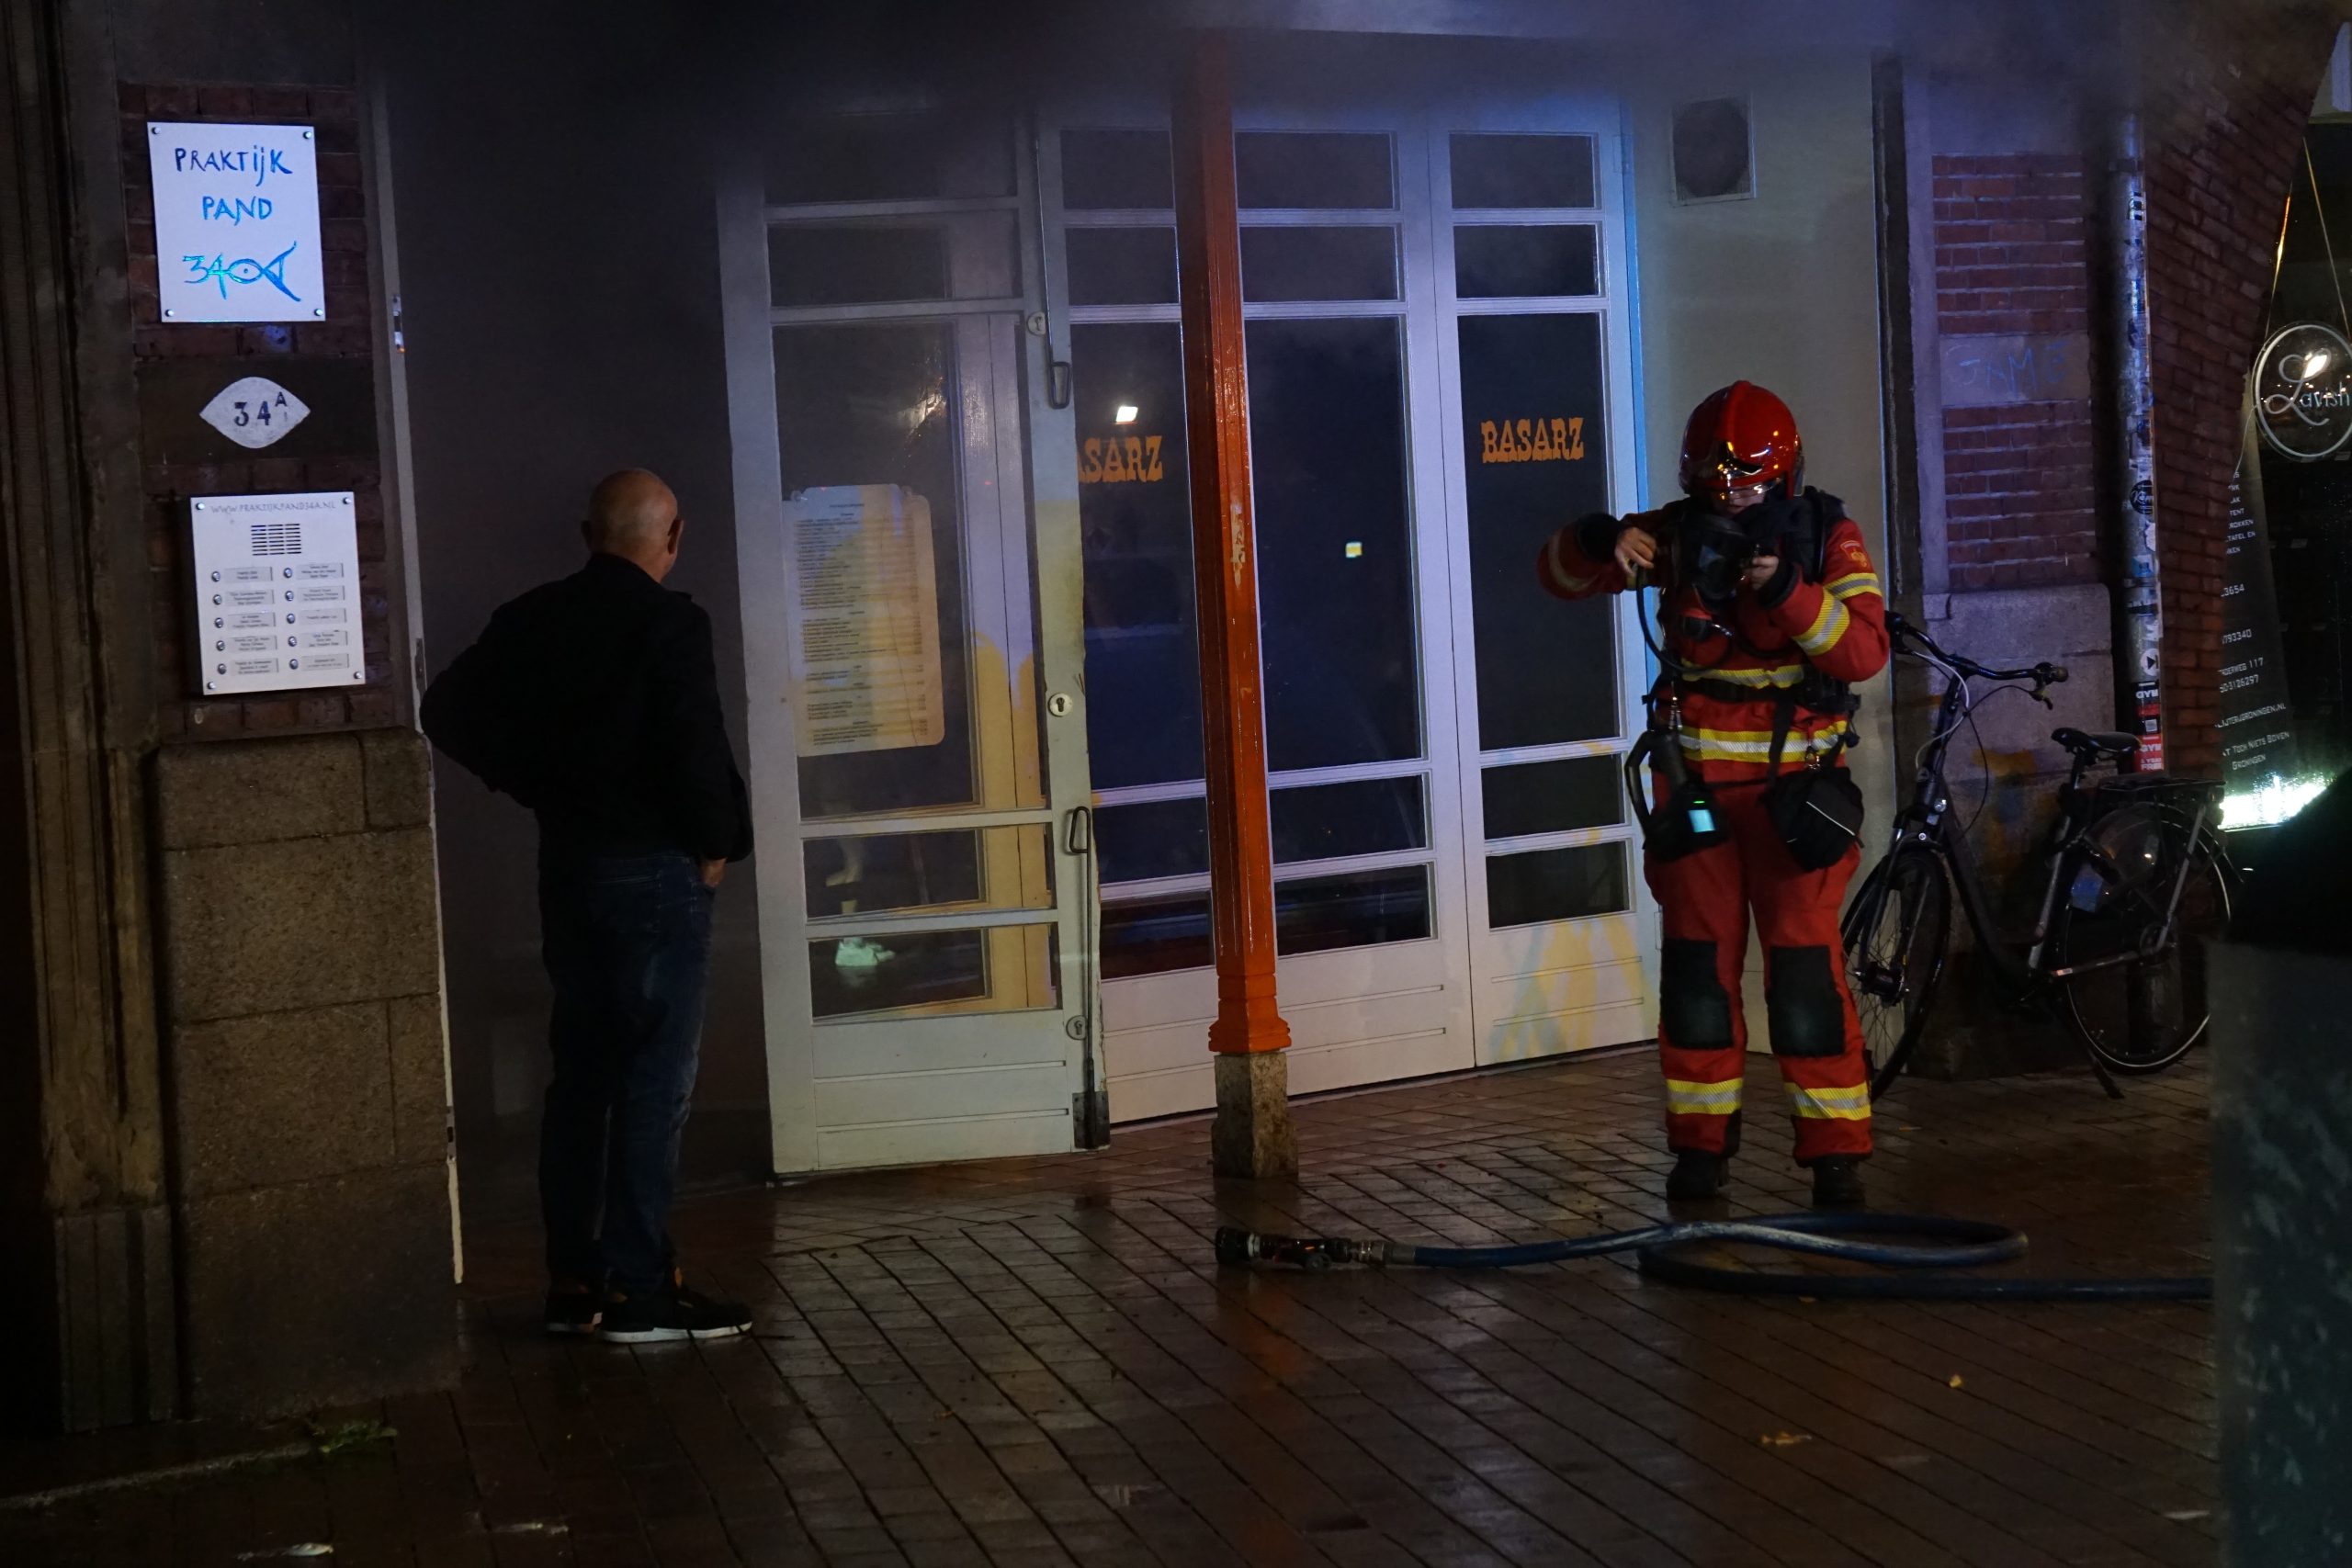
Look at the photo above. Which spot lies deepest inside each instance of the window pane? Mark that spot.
(1143, 675)
(875, 404)
(1521, 171)
(1334, 525)
(1571, 884)
(1153, 838)
(1319, 169)
(1318, 264)
(965, 256)
(1358, 909)
(1554, 797)
(844, 266)
(1366, 816)
(1108, 167)
(992, 868)
(1122, 266)
(889, 157)
(1153, 936)
(999, 969)
(1547, 670)
(1519, 261)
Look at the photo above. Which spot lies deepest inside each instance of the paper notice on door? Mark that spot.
(866, 673)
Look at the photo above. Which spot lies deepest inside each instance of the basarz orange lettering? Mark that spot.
(1530, 441)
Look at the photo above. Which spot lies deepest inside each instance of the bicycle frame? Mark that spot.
(2158, 941)
(1925, 821)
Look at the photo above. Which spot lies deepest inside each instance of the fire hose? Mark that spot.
(1920, 1263)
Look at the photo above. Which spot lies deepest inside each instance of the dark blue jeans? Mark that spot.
(627, 941)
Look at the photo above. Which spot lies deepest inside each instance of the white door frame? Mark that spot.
(920, 1085)
(1399, 1010)
(1364, 1014)
(1570, 985)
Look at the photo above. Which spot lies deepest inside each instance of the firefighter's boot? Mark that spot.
(1697, 1175)
(1838, 1182)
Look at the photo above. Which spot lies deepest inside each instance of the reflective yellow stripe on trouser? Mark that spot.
(1684, 1098)
(1831, 1104)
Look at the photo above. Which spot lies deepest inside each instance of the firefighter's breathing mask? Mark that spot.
(1716, 552)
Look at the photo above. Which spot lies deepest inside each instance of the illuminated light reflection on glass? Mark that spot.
(2270, 802)
(1125, 414)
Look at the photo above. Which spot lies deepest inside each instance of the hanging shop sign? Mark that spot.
(237, 222)
(2256, 724)
(2302, 391)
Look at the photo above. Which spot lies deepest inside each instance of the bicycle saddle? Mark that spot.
(2096, 742)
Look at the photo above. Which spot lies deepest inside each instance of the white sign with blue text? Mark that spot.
(237, 222)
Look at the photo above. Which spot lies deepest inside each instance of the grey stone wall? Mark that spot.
(306, 1075)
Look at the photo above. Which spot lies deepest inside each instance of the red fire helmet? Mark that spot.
(1741, 436)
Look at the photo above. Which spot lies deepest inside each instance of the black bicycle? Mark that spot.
(2137, 882)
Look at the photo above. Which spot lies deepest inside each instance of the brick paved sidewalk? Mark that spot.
(1036, 1362)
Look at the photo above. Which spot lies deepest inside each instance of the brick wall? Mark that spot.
(2221, 155)
(180, 462)
(2012, 260)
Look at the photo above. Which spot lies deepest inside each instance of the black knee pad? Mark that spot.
(1801, 1002)
(1692, 1009)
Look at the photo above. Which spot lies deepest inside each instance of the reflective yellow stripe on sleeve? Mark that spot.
(1830, 624)
(1684, 1098)
(1560, 573)
(1831, 1104)
(1854, 583)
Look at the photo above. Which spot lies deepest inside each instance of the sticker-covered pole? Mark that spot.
(1251, 1136)
(2144, 612)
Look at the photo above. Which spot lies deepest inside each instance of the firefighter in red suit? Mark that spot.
(1760, 657)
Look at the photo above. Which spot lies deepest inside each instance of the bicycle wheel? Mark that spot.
(2143, 1015)
(1895, 934)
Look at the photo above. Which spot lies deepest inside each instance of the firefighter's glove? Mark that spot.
(1776, 527)
(1596, 535)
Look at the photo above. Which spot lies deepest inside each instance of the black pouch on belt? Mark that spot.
(1816, 809)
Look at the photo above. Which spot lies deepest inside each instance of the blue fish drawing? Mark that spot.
(244, 270)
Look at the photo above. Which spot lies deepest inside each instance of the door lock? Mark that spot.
(1059, 704)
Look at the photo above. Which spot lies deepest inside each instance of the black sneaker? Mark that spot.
(675, 1311)
(1838, 1182)
(1698, 1175)
(572, 1309)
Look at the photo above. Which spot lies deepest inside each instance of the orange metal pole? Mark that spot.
(1252, 1134)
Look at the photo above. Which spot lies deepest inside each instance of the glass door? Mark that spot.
(1342, 334)
(1533, 280)
(910, 606)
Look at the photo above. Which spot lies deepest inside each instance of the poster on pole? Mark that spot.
(237, 222)
(866, 662)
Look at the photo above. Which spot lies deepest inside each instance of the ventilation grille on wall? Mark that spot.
(277, 538)
(1713, 157)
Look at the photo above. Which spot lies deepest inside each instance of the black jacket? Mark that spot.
(595, 702)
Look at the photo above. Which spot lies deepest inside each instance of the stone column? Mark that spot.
(299, 939)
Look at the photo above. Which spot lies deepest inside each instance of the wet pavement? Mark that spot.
(1039, 1361)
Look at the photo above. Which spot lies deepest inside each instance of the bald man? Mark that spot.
(595, 702)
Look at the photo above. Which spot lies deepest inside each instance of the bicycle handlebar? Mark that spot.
(2043, 674)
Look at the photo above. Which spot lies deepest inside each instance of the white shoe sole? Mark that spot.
(669, 1335)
